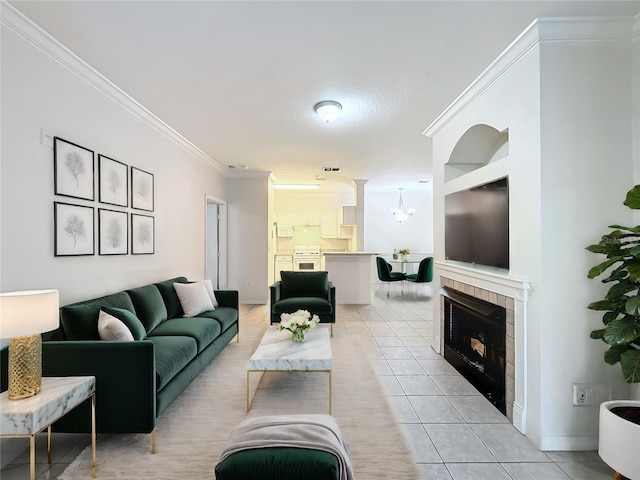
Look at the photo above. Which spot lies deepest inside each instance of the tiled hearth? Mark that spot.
(495, 286)
(502, 301)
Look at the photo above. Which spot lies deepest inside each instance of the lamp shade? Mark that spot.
(328, 110)
(28, 312)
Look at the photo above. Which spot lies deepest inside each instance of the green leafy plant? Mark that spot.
(404, 251)
(621, 305)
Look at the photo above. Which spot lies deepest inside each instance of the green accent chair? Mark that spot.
(385, 274)
(311, 291)
(425, 272)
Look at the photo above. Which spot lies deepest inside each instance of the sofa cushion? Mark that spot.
(193, 298)
(170, 297)
(226, 316)
(212, 295)
(112, 329)
(80, 320)
(132, 322)
(149, 306)
(304, 284)
(172, 355)
(203, 330)
(314, 305)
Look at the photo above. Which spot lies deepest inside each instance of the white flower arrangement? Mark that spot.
(297, 321)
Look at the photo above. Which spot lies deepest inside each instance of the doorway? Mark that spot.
(215, 247)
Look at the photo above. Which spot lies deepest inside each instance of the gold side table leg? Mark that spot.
(247, 391)
(329, 392)
(32, 457)
(49, 444)
(93, 435)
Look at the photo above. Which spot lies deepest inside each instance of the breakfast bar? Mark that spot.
(350, 272)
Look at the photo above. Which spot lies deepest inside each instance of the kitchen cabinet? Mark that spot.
(329, 225)
(282, 262)
(347, 215)
(297, 218)
(286, 219)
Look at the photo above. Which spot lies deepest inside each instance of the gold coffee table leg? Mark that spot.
(93, 435)
(329, 392)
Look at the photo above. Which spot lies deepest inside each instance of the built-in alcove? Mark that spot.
(480, 145)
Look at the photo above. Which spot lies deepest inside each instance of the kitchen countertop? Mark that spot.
(349, 254)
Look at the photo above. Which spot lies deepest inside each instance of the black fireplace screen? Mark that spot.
(475, 343)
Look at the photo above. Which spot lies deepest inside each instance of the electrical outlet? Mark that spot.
(582, 394)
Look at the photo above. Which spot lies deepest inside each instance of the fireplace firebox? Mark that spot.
(475, 343)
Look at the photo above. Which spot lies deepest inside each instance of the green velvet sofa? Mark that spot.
(137, 380)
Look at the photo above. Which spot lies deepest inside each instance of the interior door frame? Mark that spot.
(222, 237)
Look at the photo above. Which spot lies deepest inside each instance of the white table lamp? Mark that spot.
(23, 317)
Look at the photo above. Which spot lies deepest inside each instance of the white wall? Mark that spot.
(248, 240)
(38, 92)
(383, 234)
(568, 110)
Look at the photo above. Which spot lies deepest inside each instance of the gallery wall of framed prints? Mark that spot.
(120, 188)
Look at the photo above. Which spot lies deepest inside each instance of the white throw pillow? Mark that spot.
(193, 298)
(209, 286)
(110, 328)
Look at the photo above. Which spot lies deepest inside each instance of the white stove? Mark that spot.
(306, 258)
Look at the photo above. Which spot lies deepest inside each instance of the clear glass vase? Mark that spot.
(298, 335)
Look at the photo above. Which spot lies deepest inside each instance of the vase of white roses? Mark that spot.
(298, 323)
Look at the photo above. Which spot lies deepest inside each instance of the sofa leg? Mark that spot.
(153, 441)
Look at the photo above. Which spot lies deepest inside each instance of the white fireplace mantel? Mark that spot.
(493, 279)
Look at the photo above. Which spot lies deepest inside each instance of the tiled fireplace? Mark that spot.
(509, 293)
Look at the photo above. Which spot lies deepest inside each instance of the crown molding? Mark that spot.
(25, 28)
(548, 30)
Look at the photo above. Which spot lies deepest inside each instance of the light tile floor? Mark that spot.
(453, 431)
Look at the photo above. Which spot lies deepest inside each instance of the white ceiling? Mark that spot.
(240, 79)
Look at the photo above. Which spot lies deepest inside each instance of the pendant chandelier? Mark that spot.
(401, 213)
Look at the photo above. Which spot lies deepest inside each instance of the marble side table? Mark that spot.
(30, 416)
(277, 352)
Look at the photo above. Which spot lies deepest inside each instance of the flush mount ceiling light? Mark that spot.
(401, 213)
(328, 110)
(290, 186)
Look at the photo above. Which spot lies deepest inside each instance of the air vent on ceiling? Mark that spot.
(331, 169)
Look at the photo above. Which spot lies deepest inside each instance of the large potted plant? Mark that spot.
(619, 438)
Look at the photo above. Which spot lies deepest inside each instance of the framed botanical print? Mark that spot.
(113, 232)
(113, 182)
(73, 229)
(142, 234)
(73, 170)
(141, 189)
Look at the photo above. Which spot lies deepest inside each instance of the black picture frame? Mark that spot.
(142, 234)
(113, 232)
(113, 182)
(74, 230)
(142, 189)
(74, 168)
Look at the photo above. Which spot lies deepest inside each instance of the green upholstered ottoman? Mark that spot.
(286, 447)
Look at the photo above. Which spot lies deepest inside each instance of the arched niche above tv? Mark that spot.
(479, 146)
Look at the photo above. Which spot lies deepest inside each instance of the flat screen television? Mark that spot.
(477, 225)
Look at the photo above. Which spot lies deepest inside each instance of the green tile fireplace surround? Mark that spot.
(136, 380)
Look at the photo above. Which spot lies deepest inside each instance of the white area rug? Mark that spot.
(192, 432)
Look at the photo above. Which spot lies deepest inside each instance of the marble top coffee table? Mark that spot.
(277, 352)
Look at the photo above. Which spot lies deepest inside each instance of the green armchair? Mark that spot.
(311, 291)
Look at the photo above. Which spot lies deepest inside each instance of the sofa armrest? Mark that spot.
(125, 383)
(228, 298)
(332, 294)
(275, 292)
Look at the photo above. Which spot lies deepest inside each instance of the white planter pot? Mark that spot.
(619, 442)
